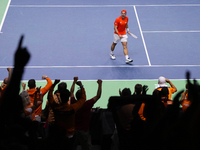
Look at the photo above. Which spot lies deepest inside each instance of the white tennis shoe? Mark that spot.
(112, 56)
(129, 60)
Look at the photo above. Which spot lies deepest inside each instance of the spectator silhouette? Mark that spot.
(162, 83)
(43, 91)
(82, 116)
(64, 127)
(13, 126)
(29, 108)
(185, 102)
(7, 79)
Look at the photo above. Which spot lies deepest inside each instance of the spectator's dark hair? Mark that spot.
(64, 92)
(62, 86)
(64, 95)
(138, 89)
(164, 92)
(31, 83)
(56, 91)
(126, 92)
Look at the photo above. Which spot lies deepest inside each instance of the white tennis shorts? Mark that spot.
(116, 38)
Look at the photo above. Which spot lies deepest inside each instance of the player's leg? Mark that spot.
(125, 49)
(115, 41)
(124, 44)
(113, 46)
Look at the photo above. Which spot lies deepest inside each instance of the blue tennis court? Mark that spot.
(68, 39)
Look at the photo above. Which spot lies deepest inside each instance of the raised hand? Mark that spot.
(44, 77)
(75, 79)
(24, 86)
(22, 56)
(99, 81)
(38, 89)
(56, 81)
(79, 83)
(145, 89)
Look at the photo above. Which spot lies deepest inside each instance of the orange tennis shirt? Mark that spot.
(121, 25)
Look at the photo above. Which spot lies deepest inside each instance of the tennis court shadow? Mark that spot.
(126, 72)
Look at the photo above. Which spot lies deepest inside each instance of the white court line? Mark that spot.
(167, 5)
(3, 19)
(142, 36)
(192, 31)
(114, 80)
(117, 66)
(71, 6)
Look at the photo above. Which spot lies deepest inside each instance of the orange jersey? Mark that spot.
(185, 104)
(141, 111)
(43, 91)
(121, 25)
(171, 91)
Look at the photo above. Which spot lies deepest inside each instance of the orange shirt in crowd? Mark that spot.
(67, 122)
(185, 103)
(141, 111)
(171, 91)
(43, 91)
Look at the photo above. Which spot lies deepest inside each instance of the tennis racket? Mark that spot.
(133, 35)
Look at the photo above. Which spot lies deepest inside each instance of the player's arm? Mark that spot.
(127, 29)
(116, 30)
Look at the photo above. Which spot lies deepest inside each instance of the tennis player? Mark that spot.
(120, 28)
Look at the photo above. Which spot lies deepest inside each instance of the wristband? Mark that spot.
(127, 29)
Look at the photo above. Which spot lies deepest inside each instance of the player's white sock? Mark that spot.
(126, 57)
(111, 52)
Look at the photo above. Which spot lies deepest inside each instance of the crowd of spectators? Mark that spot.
(143, 121)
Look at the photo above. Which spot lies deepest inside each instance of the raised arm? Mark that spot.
(9, 73)
(76, 106)
(24, 86)
(72, 87)
(172, 85)
(45, 89)
(50, 94)
(21, 59)
(120, 92)
(35, 102)
(99, 90)
(11, 102)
